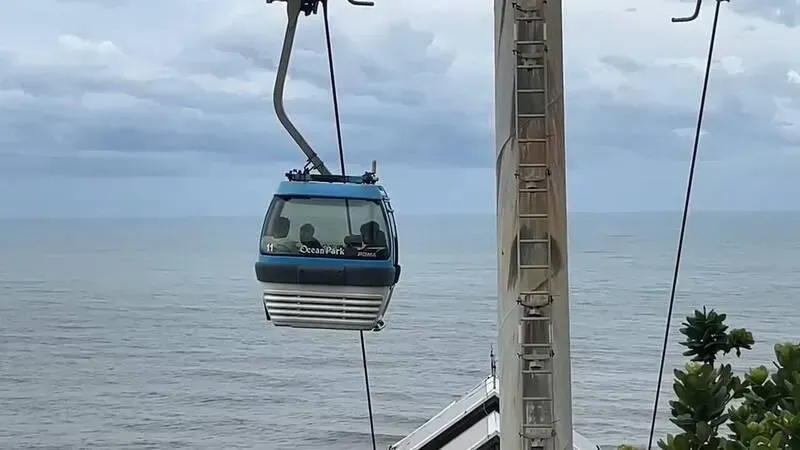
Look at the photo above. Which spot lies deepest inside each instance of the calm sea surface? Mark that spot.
(150, 334)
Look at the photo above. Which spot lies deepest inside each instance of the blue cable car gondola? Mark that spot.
(328, 255)
(328, 249)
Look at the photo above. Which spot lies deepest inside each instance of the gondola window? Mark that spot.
(319, 227)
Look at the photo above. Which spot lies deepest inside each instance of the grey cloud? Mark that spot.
(402, 122)
(624, 132)
(106, 3)
(396, 67)
(401, 101)
(623, 63)
(219, 62)
(107, 166)
(86, 167)
(785, 12)
(739, 120)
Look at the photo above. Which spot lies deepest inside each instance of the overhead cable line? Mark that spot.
(687, 201)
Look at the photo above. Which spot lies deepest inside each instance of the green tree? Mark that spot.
(760, 410)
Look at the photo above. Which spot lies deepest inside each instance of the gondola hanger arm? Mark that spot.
(695, 14)
(293, 10)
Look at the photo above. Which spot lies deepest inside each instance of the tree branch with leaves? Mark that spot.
(761, 410)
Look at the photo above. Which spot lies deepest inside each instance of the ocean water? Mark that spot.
(150, 334)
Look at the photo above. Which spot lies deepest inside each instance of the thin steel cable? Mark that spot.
(335, 95)
(684, 220)
(369, 395)
(349, 225)
(333, 85)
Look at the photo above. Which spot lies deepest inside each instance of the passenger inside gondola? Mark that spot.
(277, 239)
(307, 236)
(371, 243)
(372, 236)
(375, 243)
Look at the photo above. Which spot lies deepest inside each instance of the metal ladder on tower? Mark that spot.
(534, 256)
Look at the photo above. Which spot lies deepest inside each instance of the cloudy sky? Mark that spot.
(132, 107)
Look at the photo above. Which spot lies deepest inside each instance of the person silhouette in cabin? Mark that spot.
(277, 238)
(370, 243)
(372, 236)
(307, 236)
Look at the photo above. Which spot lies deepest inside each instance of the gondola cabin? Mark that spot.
(328, 254)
